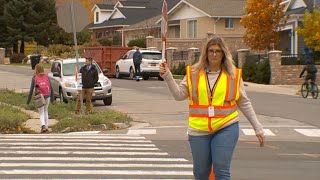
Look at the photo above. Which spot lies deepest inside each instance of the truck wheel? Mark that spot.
(107, 101)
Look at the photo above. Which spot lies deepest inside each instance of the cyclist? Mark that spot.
(311, 71)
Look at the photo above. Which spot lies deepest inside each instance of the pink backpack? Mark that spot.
(43, 82)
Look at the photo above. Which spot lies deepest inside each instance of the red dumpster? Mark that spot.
(106, 56)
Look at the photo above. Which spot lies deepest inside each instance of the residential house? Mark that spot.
(108, 19)
(192, 22)
(290, 41)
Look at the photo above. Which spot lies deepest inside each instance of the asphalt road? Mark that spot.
(288, 155)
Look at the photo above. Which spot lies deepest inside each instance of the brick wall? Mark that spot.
(290, 74)
(280, 74)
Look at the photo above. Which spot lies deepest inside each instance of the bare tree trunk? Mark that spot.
(22, 47)
(15, 47)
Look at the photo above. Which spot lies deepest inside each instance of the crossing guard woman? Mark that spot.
(215, 91)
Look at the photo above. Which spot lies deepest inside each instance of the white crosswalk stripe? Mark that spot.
(314, 133)
(309, 132)
(251, 132)
(88, 156)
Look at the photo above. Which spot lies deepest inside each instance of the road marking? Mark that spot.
(95, 172)
(82, 148)
(86, 153)
(71, 136)
(76, 140)
(300, 154)
(281, 126)
(309, 132)
(142, 131)
(104, 165)
(86, 132)
(76, 144)
(251, 132)
(92, 159)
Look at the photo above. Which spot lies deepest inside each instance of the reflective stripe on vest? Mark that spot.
(224, 97)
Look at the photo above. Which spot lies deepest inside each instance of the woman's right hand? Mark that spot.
(163, 67)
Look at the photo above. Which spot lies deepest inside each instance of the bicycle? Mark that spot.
(306, 88)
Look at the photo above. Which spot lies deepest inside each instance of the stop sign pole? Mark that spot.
(73, 17)
(78, 78)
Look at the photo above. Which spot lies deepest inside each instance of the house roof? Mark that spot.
(219, 8)
(132, 16)
(139, 3)
(151, 23)
(105, 6)
(297, 9)
(300, 10)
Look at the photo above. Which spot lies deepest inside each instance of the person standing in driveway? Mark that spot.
(137, 58)
(215, 91)
(89, 79)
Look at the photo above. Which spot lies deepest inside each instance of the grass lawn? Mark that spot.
(45, 65)
(62, 112)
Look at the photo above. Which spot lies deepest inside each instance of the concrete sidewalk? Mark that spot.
(276, 89)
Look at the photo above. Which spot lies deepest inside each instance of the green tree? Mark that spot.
(3, 25)
(263, 20)
(15, 12)
(311, 29)
(41, 21)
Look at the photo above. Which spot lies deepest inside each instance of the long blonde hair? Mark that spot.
(227, 61)
(38, 69)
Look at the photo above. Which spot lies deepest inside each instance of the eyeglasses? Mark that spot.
(215, 51)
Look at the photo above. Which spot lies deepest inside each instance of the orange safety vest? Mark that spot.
(224, 96)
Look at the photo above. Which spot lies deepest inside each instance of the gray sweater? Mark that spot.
(180, 92)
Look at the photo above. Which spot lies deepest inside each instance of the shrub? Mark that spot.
(105, 41)
(58, 49)
(262, 75)
(116, 40)
(180, 70)
(92, 44)
(17, 58)
(256, 72)
(138, 42)
(249, 70)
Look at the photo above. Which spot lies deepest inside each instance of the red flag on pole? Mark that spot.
(164, 27)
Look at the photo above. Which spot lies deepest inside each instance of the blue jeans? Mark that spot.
(215, 149)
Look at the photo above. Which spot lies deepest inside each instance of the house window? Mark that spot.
(98, 35)
(106, 33)
(177, 31)
(192, 29)
(97, 16)
(228, 23)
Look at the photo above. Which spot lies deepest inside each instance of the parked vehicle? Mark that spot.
(106, 57)
(149, 64)
(62, 76)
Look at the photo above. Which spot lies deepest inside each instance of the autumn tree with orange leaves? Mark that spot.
(311, 29)
(263, 21)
